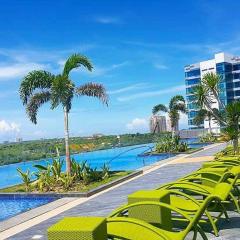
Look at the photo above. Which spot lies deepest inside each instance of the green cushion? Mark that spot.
(81, 228)
(150, 213)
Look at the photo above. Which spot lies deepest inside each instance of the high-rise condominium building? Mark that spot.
(228, 67)
(158, 124)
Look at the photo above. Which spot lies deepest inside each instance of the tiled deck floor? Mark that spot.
(105, 203)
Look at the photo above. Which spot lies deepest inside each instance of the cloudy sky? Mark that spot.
(138, 49)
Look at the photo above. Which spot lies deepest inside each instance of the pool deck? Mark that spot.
(103, 203)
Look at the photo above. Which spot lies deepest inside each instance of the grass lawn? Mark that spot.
(76, 187)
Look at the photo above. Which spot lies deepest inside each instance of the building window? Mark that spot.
(237, 93)
(223, 67)
(229, 85)
(192, 106)
(237, 84)
(236, 76)
(192, 114)
(192, 73)
(191, 98)
(192, 81)
(236, 67)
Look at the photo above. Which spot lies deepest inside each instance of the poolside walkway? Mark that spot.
(103, 203)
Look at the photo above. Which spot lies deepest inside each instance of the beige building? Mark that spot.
(158, 124)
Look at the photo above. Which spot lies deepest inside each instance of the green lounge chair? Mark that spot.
(100, 228)
(203, 188)
(146, 207)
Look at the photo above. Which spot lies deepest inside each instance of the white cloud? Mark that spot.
(231, 46)
(160, 66)
(18, 70)
(128, 88)
(100, 71)
(138, 124)
(9, 130)
(9, 126)
(152, 93)
(108, 20)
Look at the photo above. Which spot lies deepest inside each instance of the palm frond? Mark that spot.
(62, 92)
(159, 108)
(35, 102)
(175, 100)
(32, 81)
(211, 81)
(93, 90)
(200, 117)
(178, 103)
(75, 61)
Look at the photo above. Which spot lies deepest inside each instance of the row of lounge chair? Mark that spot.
(178, 210)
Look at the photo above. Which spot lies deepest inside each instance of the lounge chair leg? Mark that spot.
(195, 234)
(225, 213)
(235, 201)
(202, 233)
(214, 227)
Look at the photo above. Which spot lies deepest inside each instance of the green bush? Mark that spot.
(51, 177)
(207, 138)
(170, 144)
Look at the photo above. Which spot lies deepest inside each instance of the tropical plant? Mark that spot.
(44, 177)
(170, 144)
(78, 169)
(57, 168)
(207, 138)
(26, 178)
(67, 180)
(105, 171)
(207, 92)
(203, 114)
(176, 106)
(232, 118)
(39, 87)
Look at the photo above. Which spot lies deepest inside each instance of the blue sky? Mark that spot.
(138, 49)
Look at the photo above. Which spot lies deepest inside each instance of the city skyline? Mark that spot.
(139, 57)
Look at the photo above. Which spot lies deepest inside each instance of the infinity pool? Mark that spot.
(11, 206)
(121, 158)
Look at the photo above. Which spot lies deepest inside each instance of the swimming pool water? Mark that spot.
(11, 206)
(127, 159)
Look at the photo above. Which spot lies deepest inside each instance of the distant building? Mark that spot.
(98, 135)
(158, 124)
(18, 140)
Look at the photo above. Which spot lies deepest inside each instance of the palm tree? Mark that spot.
(39, 87)
(203, 114)
(233, 118)
(176, 106)
(208, 91)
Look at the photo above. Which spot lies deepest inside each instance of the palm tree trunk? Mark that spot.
(214, 115)
(209, 125)
(173, 132)
(66, 133)
(235, 146)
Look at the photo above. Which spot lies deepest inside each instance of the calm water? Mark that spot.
(13, 206)
(123, 158)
